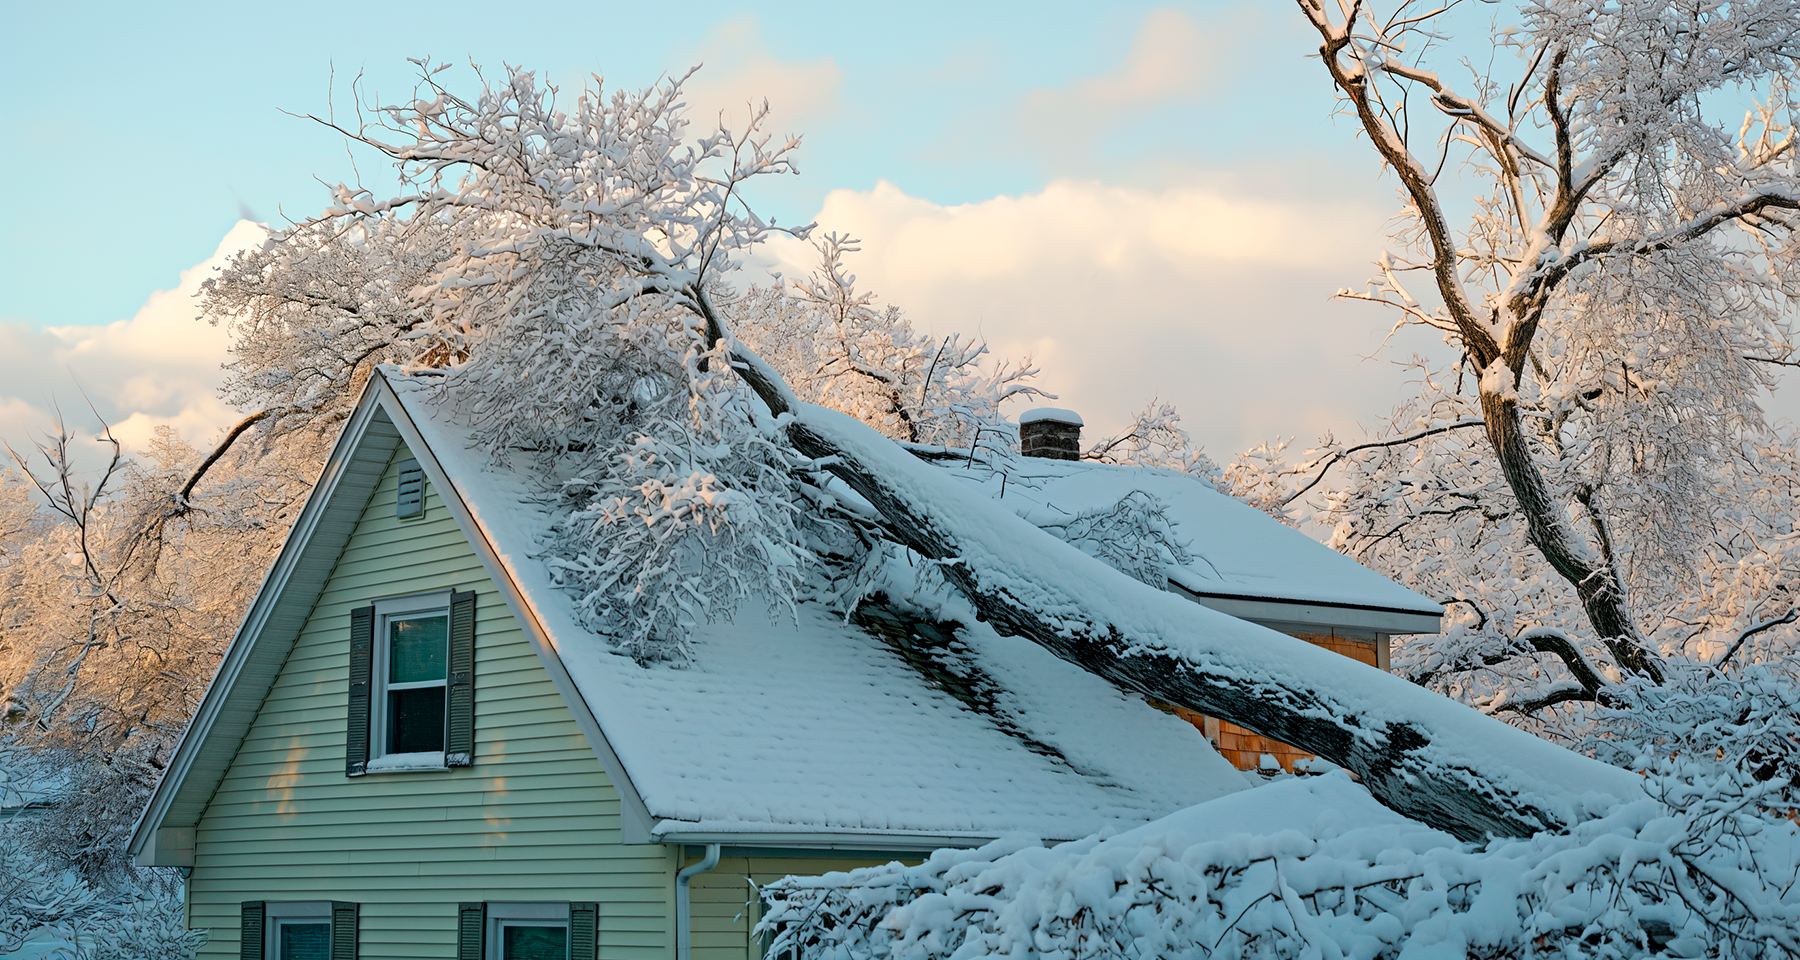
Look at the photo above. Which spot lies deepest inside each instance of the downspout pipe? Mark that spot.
(684, 933)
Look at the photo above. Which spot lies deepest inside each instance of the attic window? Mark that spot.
(411, 704)
(409, 502)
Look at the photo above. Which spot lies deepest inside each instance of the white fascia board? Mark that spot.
(851, 842)
(635, 822)
(169, 847)
(243, 677)
(1285, 613)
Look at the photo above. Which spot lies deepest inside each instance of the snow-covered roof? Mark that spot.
(1244, 562)
(813, 727)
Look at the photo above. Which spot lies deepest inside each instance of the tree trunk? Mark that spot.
(1420, 753)
(1594, 577)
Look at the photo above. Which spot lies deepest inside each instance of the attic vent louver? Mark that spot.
(410, 502)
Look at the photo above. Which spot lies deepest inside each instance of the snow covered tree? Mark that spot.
(1155, 438)
(118, 590)
(1617, 300)
(119, 593)
(838, 348)
(578, 313)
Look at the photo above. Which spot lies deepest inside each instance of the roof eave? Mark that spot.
(1358, 618)
(850, 841)
(249, 659)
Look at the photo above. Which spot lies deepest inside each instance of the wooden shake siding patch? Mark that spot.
(1244, 749)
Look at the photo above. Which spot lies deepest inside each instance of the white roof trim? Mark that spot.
(251, 664)
(898, 842)
(1268, 611)
(247, 672)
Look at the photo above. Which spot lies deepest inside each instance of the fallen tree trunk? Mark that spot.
(1420, 753)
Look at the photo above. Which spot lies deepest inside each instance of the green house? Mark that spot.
(413, 748)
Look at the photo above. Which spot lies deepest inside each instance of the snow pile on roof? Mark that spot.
(815, 725)
(1237, 551)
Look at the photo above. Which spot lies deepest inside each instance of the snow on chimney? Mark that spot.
(1050, 432)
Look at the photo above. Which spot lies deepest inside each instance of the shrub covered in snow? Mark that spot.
(1314, 867)
(135, 918)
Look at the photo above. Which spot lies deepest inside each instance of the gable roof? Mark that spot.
(1243, 562)
(805, 732)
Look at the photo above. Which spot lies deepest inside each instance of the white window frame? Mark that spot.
(278, 912)
(380, 760)
(504, 913)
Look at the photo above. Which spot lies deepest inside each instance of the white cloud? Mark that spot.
(739, 71)
(162, 366)
(1213, 301)
(1174, 60)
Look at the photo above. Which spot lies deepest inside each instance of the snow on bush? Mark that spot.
(1706, 724)
(1324, 871)
(42, 902)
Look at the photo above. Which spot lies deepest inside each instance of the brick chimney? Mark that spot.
(1049, 432)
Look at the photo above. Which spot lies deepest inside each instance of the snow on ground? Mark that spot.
(37, 948)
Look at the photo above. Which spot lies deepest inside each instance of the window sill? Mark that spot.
(407, 763)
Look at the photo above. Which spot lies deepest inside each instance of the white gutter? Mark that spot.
(684, 934)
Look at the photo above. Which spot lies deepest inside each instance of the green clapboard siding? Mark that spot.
(724, 904)
(534, 819)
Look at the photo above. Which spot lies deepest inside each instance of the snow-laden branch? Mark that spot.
(1324, 464)
(1790, 616)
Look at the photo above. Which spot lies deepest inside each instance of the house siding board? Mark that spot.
(534, 819)
(1246, 749)
(354, 482)
(724, 910)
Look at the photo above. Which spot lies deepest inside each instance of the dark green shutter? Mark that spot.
(459, 734)
(584, 931)
(343, 930)
(471, 931)
(250, 930)
(362, 659)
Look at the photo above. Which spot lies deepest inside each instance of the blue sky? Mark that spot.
(1152, 200)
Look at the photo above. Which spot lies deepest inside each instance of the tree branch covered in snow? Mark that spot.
(1702, 873)
(1606, 317)
(837, 347)
(576, 315)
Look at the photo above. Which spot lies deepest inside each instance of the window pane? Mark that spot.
(417, 648)
(416, 720)
(303, 941)
(525, 942)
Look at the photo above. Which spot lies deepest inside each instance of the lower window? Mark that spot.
(301, 939)
(299, 930)
(517, 930)
(530, 940)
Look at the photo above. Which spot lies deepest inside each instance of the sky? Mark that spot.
(1152, 201)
